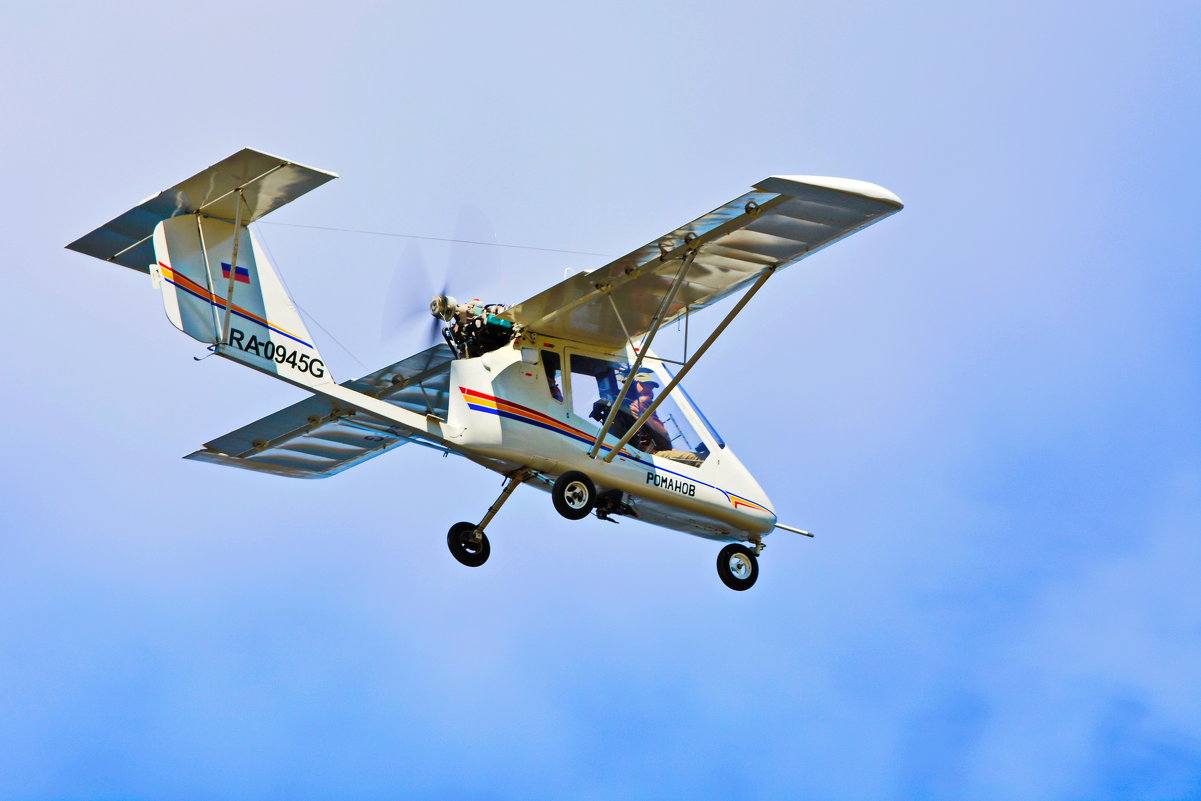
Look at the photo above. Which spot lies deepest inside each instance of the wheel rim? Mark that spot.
(466, 543)
(575, 495)
(740, 566)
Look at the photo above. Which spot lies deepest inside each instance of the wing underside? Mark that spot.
(316, 438)
(785, 219)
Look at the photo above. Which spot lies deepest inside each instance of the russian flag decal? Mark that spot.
(242, 274)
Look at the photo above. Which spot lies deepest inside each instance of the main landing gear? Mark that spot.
(575, 496)
(469, 544)
(467, 541)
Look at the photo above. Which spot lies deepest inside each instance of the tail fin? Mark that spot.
(218, 285)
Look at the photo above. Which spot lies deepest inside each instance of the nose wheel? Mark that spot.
(737, 567)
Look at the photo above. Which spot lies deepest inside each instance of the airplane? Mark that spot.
(562, 391)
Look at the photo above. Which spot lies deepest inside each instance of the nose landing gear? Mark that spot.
(738, 567)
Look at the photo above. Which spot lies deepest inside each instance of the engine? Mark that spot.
(473, 328)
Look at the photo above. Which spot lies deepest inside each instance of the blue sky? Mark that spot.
(985, 406)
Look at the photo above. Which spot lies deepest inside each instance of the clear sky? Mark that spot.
(985, 406)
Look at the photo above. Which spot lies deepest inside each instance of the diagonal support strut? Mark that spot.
(660, 315)
(646, 415)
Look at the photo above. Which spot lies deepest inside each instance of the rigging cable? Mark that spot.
(436, 239)
(292, 297)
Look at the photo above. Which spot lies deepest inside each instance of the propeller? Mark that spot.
(413, 282)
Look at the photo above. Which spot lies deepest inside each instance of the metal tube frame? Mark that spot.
(208, 279)
(646, 415)
(233, 267)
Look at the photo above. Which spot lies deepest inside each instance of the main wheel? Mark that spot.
(737, 567)
(574, 495)
(465, 547)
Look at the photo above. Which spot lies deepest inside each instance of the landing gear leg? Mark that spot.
(467, 541)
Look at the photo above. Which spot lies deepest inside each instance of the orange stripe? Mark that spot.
(509, 406)
(216, 300)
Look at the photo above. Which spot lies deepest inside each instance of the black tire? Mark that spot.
(462, 547)
(574, 495)
(737, 567)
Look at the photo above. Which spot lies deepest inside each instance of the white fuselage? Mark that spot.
(502, 408)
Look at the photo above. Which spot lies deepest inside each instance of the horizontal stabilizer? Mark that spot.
(267, 182)
(317, 438)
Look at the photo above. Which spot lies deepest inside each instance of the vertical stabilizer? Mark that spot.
(250, 318)
(218, 287)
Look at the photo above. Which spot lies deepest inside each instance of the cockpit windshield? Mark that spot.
(667, 433)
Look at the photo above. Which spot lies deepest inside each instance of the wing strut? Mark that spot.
(664, 308)
(646, 415)
(224, 331)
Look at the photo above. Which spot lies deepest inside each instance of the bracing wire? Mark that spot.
(435, 239)
(312, 319)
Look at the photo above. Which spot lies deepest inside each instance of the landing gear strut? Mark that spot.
(738, 567)
(467, 541)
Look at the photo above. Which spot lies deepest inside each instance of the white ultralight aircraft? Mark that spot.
(561, 391)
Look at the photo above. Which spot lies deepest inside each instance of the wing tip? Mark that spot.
(784, 183)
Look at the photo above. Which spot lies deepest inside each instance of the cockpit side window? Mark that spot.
(594, 385)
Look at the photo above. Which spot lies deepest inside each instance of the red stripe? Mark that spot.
(180, 278)
(525, 410)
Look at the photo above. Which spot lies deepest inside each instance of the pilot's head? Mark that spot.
(645, 381)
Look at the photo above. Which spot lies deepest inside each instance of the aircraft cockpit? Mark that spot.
(594, 385)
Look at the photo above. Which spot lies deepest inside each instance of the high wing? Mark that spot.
(317, 438)
(786, 219)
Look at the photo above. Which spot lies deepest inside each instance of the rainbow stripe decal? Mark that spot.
(739, 501)
(181, 281)
(489, 404)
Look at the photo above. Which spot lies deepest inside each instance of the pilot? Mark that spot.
(653, 436)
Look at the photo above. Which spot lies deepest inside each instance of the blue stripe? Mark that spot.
(586, 441)
(211, 302)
